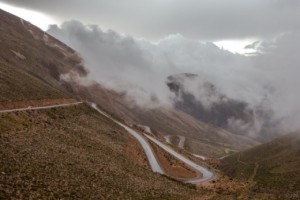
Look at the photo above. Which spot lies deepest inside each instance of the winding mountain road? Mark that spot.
(199, 156)
(144, 143)
(206, 175)
(39, 107)
(154, 164)
(181, 142)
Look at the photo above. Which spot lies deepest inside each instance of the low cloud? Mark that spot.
(140, 67)
(280, 66)
(267, 81)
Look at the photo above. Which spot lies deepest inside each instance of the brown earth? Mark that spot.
(224, 185)
(135, 151)
(171, 166)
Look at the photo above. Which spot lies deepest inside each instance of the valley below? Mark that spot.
(64, 136)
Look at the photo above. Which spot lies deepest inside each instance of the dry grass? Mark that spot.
(17, 85)
(272, 168)
(75, 153)
(34, 63)
(205, 148)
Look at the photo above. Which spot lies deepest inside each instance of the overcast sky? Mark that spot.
(197, 19)
(177, 37)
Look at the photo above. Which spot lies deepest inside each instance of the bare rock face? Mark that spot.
(210, 105)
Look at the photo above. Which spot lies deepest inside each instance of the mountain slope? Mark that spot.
(63, 153)
(273, 166)
(75, 153)
(17, 85)
(33, 61)
(166, 121)
(25, 47)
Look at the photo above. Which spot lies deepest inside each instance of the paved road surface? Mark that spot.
(39, 107)
(206, 174)
(199, 156)
(144, 143)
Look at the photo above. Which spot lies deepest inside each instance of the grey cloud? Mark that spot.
(267, 81)
(141, 68)
(206, 19)
(280, 66)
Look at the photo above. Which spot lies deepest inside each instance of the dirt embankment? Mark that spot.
(172, 166)
(34, 103)
(135, 151)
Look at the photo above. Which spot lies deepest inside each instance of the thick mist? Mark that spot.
(267, 81)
